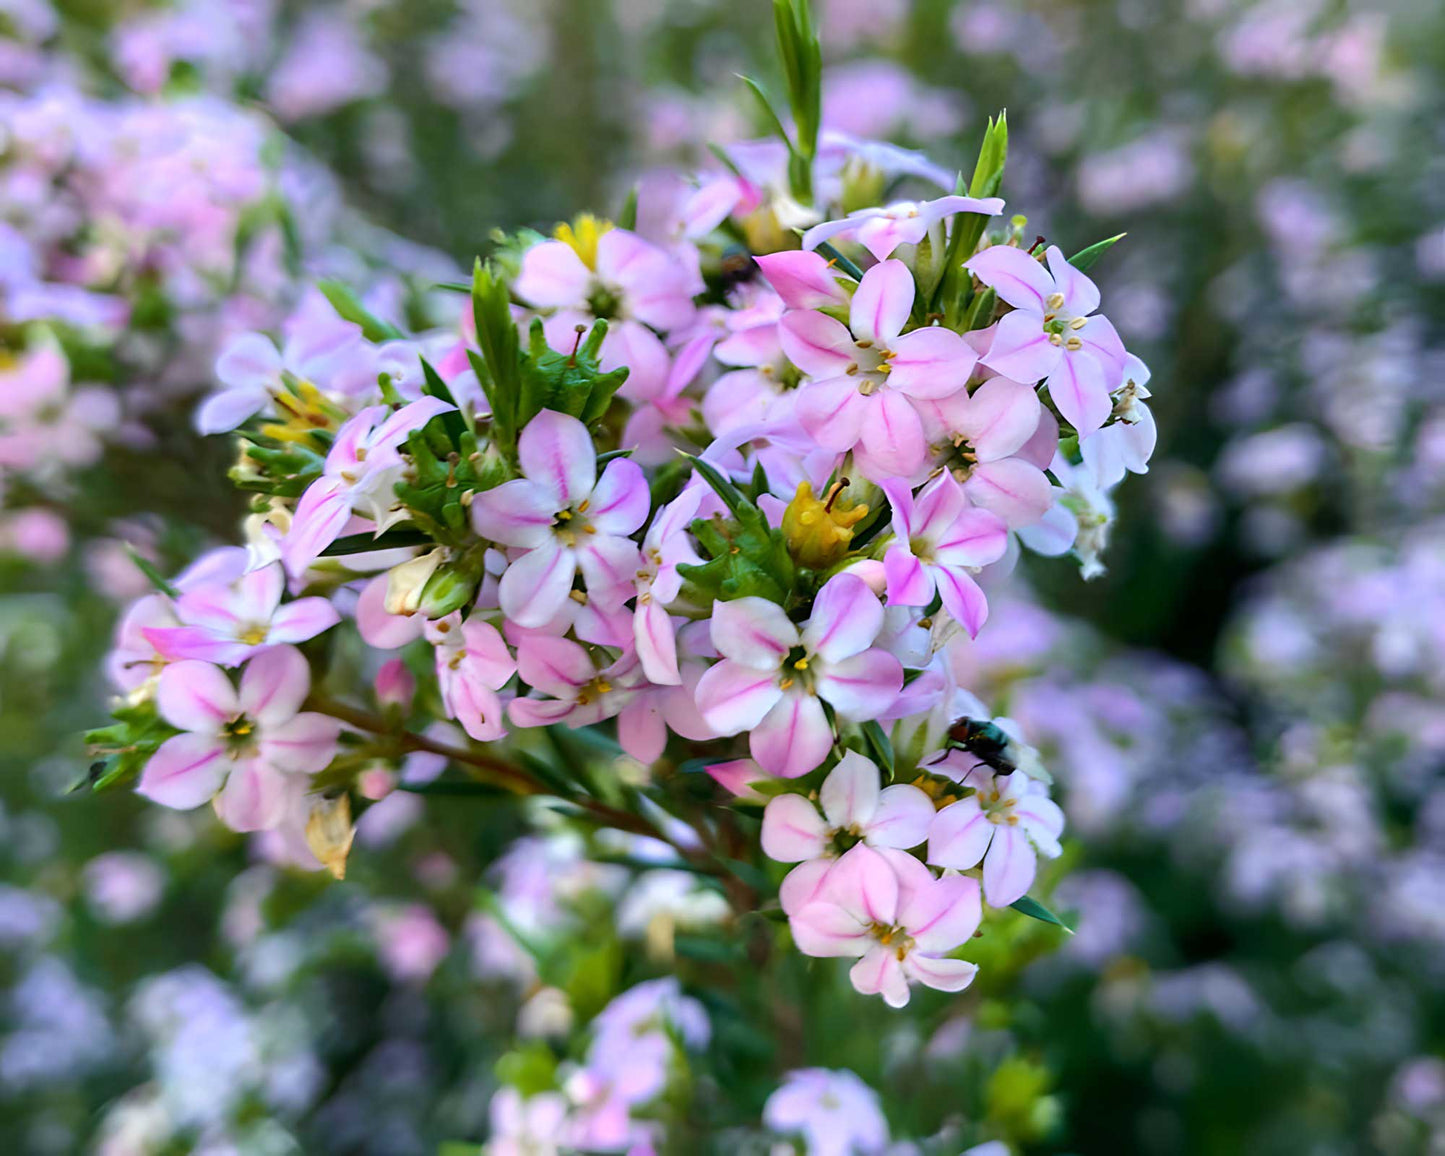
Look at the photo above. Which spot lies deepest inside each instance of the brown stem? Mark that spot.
(486, 769)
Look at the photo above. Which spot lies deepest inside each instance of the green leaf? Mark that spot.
(770, 115)
(802, 62)
(732, 497)
(1036, 910)
(153, 576)
(497, 335)
(1084, 259)
(826, 250)
(349, 307)
(968, 227)
(880, 744)
(452, 421)
(365, 543)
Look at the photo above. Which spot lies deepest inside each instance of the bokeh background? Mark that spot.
(1246, 714)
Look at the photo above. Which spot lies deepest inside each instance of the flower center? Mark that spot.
(593, 691)
(1000, 811)
(795, 670)
(567, 524)
(239, 735)
(253, 634)
(871, 366)
(895, 937)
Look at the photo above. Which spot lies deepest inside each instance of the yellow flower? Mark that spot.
(818, 532)
(582, 236)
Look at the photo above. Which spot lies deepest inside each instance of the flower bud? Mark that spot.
(394, 685)
(818, 532)
(406, 583)
(447, 591)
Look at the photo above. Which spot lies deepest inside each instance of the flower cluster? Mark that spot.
(657, 488)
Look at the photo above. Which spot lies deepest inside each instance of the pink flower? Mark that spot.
(361, 472)
(666, 547)
(562, 517)
(1050, 333)
(472, 664)
(939, 541)
(228, 623)
(989, 429)
(865, 375)
(853, 807)
(573, 690)
(803, 279)
(1007, 824)
(632, 283)
(836, 1113)
(320, 348)
(527, 1126)
(774, 677)
(1127, 445)
(238, 746)
(887, 909)
(881, 230)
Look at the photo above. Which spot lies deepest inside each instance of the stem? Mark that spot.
(500, 773)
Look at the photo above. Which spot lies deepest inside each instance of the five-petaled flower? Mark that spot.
(940, 539)
(1007, 823)
(240, 747)
(887, 909)
(774, 677)
(882, 229)
(866, 373)
(560, 516)
(1053, 333)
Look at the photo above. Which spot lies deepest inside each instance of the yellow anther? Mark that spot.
(582, 235)
(1055, 301)
(801, 664)
(1078, 322)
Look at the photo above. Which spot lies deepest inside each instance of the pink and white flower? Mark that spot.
(866, 374)
(1006, 824)
(240, 748)
(881, 230)
(360, 475)
(989, 429)
(1052, 332)
(854, 806)
(887, 909)
(472, 665)
(228, 623)
(666, 547)
(774, 677)
(835, 1112)
(632, 283)
(940, 542)
(561, 517)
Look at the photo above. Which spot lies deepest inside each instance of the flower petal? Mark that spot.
(862, 687)
(555, 666)
(832, 413)
(960, 835)
(753, 631)
(1009, 867)
(793, 830)
(846, 619)
(733, 698)
(882, 303)
(1079, 389)
(942, 915)
(196, 696)
(274, 685)
(535, 586)
(803, 279)
(880, 972)
(825, 929)
(254, 797)
(516, 513)
(849, 794)
(792, 738)
(1081, 295)
(892, 433)
(903, 819)
(931, 363)
(1015, 276)
(305, 618)
(940, 974)
(962, 598)
(865, 885)
(304, 744)
(556, 452)
(1015, 490)
(185, 772)
(817, 344)
(620, 503)
(552, 275)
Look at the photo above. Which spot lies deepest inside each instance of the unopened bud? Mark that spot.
(405, 583)
(447, 591)
(395, 684)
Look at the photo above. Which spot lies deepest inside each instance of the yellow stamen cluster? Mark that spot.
(302, 414)
(818, 532)
(582, 235)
